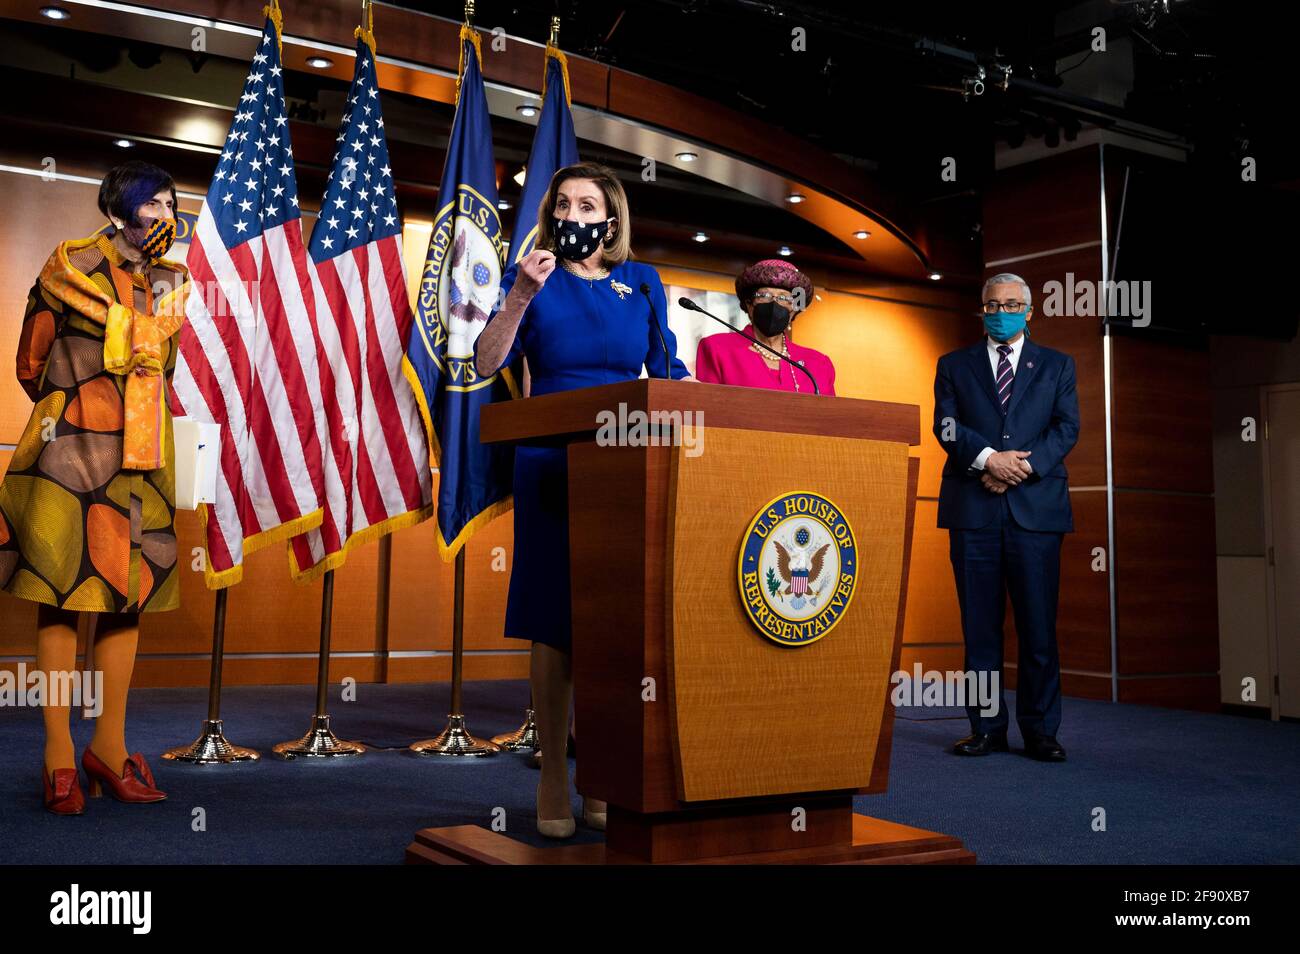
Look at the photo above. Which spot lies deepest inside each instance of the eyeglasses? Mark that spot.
(765, 297)
(993, 307)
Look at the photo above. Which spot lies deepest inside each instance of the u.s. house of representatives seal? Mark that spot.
(798, 568)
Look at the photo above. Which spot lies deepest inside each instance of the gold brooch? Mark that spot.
(623, 290)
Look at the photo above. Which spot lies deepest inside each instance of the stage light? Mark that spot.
(687, 156)
(700, 237)
(319, 62)
(123, 143)
(55, 13)
(502, 204)
(794, 198)
(527, 109)
(520, 176)
(861, 234)
(935, 276)
(784, 250)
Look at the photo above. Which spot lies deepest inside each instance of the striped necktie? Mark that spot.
(1005, 376)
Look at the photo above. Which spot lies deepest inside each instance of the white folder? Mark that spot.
(198, 452)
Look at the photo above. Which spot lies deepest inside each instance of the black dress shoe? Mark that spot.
(981, 743)
(1045, 748)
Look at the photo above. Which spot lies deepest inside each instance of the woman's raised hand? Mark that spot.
(534, 269)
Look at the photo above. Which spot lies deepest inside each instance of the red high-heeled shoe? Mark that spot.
(64, 796)
(135, 784)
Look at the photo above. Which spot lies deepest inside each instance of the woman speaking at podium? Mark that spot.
(582, 324)
(772, 292)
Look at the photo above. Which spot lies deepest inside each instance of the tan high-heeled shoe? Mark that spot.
(556, 827)
(594, 819)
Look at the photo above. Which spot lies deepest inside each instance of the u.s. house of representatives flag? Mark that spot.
(458, 290)
(377, 475)
(247, 357)
(554, 147)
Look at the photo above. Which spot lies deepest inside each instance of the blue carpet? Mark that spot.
(1176, 787)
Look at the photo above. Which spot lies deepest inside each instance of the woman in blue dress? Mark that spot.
(581, 324)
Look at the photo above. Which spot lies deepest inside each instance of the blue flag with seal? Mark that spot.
(554, 147)
(458, 290)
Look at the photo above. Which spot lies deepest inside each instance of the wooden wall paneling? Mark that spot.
(1199, 692)
(1167, 608)
(1050, 203)
(1163, 421)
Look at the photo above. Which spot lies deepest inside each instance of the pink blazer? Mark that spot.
(728, 359)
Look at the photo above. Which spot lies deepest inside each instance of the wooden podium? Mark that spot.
(719, 724)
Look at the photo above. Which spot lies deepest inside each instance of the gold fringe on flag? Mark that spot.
(467, 32)
(272, 13)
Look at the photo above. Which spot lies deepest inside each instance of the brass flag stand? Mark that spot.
(212, 747)
(455, 739)
(522, 739)
(320, 741)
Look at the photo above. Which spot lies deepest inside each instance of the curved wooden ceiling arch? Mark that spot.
(418, 55)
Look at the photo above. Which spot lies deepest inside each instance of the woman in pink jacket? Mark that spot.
(772, 292)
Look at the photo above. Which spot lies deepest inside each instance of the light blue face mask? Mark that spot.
(1004, 325)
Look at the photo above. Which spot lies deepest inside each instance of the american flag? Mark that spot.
(248, 354)
(377, 472)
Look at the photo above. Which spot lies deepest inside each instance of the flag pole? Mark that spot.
(525, 738)
(455, 739)
(212, 747)
(320, 741)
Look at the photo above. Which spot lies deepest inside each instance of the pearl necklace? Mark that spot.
(767, 356)
(589, 279)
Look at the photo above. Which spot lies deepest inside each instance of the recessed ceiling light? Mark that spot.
(55, 13)
(502, 204)
(700, 237)
(123, 143)
(794, 198)
(527, 109)
(688, 156)
(319, 62)
(784, 250)
(861, 234)
(935, 276)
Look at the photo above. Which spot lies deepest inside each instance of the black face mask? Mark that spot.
(574, 241)
(770, 318)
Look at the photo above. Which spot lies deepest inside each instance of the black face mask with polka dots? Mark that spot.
(575, 241)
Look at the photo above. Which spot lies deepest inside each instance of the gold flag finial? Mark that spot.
(469, 12)
(366, 31)
(555, 32)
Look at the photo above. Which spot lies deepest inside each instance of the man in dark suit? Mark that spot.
(1006, 414)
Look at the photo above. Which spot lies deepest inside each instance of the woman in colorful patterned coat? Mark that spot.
(88, 503)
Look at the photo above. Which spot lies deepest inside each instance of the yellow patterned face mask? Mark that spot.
(152, 236)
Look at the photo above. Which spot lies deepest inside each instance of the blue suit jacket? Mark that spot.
(1042, 417)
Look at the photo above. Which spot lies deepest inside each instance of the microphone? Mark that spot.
(654, 319)
(691, 306)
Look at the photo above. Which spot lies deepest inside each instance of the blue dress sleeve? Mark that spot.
(517, 346)
(654, 358)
